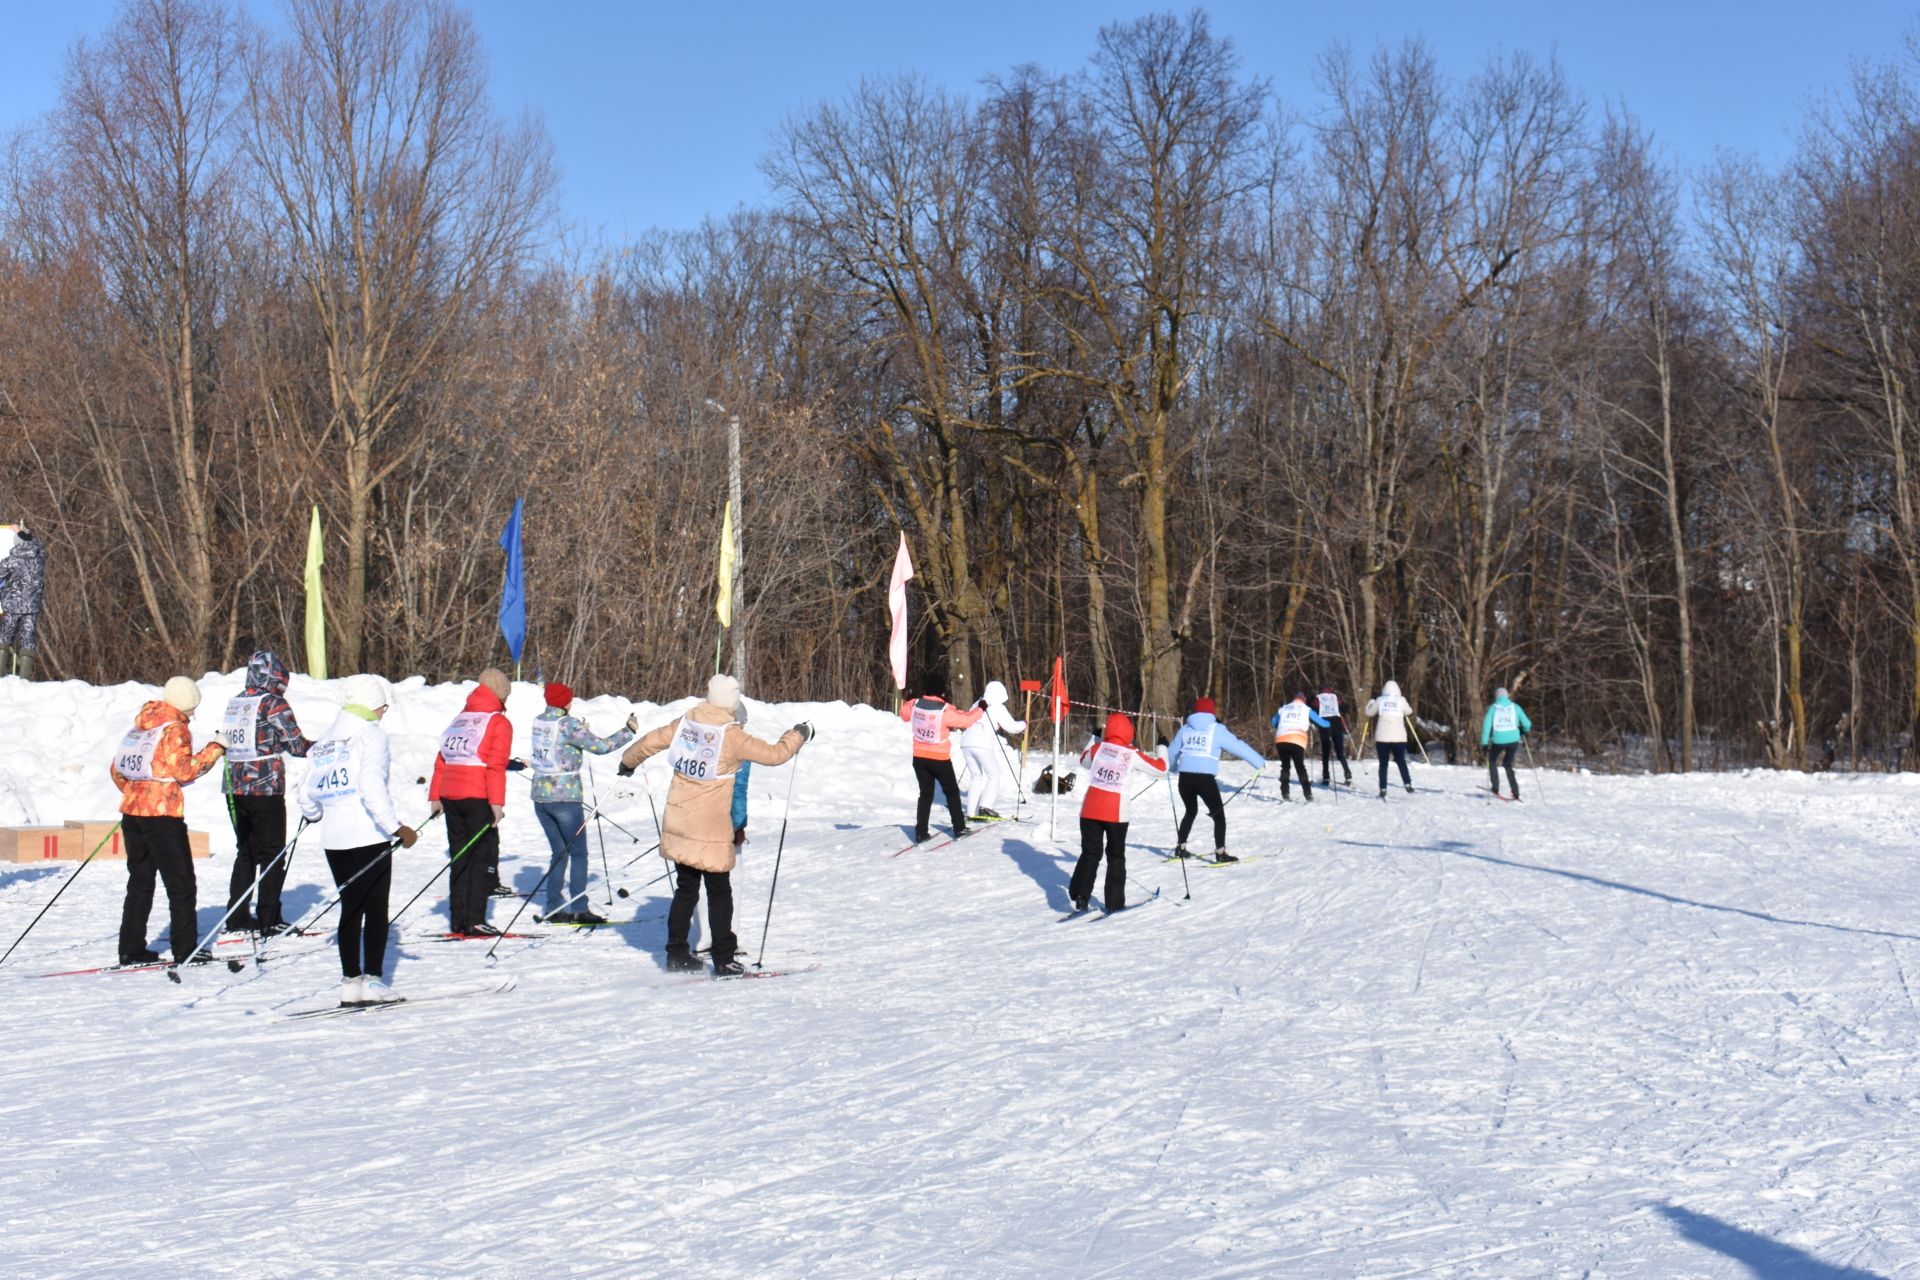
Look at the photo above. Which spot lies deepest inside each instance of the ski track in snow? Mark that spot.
(1436, 1036)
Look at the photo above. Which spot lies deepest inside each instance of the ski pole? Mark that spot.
(1185, 886)
(636, 857)
(777, 854)
(593, 797)
(1243, 786)
(1531, 763)
(1017, 787)
(552, 863)
(260, 957)
(600, 813)
(62, 889)
(1415, 730)
(471, 841)
(221, 923)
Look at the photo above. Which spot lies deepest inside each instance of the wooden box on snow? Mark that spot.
(37, 844)
(90, 834)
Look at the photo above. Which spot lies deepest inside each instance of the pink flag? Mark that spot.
(897, 602)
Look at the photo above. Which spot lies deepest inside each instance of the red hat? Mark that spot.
(1201, 705)
(558, 695)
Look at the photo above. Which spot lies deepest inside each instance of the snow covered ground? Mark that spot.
(1645, 1027)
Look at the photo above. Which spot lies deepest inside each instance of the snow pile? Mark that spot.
(1634, 1026)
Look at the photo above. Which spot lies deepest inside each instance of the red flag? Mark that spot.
(1059, 703)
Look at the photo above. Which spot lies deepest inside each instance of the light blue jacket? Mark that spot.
(1198, 744)
(1503, 736)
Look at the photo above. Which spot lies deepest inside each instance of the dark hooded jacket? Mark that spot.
(275, 732)
(23, 576)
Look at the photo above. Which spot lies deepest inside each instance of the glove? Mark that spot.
(407, 836)
(499, 813)
(516, 765)
(739, 835)
(633, 723)
(435, 808)
(805, 731)
(624, 771)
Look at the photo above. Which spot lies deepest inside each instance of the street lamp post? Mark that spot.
(738, 610)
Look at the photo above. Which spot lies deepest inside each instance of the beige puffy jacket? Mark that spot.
(697, 828)
(1391, 725)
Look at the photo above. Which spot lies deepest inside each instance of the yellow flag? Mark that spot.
(316, 603)
(728, 552)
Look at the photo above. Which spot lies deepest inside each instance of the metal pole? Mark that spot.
(1053, 812)
(739, 587)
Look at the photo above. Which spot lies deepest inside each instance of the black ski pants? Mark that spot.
(928, 772)
(158, 846)
(1293, 756)
(1195, 787)
(1097, 838)
(1333, 746)
(472, 885)
(259, 834)
(1502, 753)
(1396, 751)
(686, 896)
(364, 877)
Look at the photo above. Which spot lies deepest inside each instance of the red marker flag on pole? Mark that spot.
(897, 603)
(1059, 703)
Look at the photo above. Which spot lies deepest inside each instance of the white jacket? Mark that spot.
(1393, 711)
(345, 789)
(978, 736)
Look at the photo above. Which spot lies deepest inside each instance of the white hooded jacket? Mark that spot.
(1393, 711)
(978, 736)
(345, 789)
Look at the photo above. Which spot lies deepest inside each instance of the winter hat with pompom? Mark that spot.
(181, 694)
(558, 695)
(1203, 706)
(723, 691)
(369, 692)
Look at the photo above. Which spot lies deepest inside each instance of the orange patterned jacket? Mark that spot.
(174, 763)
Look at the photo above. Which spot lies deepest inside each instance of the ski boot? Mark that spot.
(140, 957)
(729, 968)
(1081, 905)
(586, 917)
(1221, 857)
(1409, 788)
(1383, 793)
(680, 960)
(1181, 851)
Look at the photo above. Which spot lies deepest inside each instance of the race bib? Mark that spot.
(546, 747)
(1329, 705)
(696, 750)
(1393, 706)
(1111, 765)
(1294, 718)
(926, 725)
(330, 777)
(240, 727)
(460, 744)
(134, 759)
(1197, 743)
(1506, 718)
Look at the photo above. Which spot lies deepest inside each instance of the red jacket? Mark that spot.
(1100, 803)
(488, 779)
(951, 717)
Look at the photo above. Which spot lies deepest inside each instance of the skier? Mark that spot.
(1390, 713)
(470, 785)
(23, 580)
(1103, 812)
(1333, 738)
(257, 730)
(1196, 758)
(933, 718)
(1503, 726)
(986, 759)
(1290, 730)
(150, 766)
(738, 810)
(558, 740)
(346, 792)
(705, 747)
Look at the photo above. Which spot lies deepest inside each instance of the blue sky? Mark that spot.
(661, 112)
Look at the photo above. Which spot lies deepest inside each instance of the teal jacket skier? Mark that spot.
(1503, 727)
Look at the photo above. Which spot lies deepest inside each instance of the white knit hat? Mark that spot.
(370, 692)
(182, 694)
(723, 691)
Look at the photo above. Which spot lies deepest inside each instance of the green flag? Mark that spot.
(316, 604)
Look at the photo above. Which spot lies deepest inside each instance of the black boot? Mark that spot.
(680, 960)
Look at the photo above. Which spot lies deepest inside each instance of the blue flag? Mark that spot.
(513, 591)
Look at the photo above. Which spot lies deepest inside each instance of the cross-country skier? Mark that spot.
(558, 739)
(470, 785)
(259, 729)
(738, 812)
(1500, 732)
(150, 766)
(346, 792)
(23, 583)
(986, 759)
(1333, 738)
(1196, 758)
(1390, 713)
(1291, 725)
(934, 718)
(705, 747)
(1103, 812)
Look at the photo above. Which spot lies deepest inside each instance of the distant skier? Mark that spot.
(1291, 725)
(1390, 713)
(1333, 738)
(1196, 758)
(986, 759)
(470, 785)
(23, 584)
(558, 739)
(258, 730)
(1500, 732)
(738, 810)
(705, 748)
(933, 719)
(1103, 813)
(347, 793)
(152, 763)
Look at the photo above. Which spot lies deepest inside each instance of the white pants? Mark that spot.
(981, 781)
